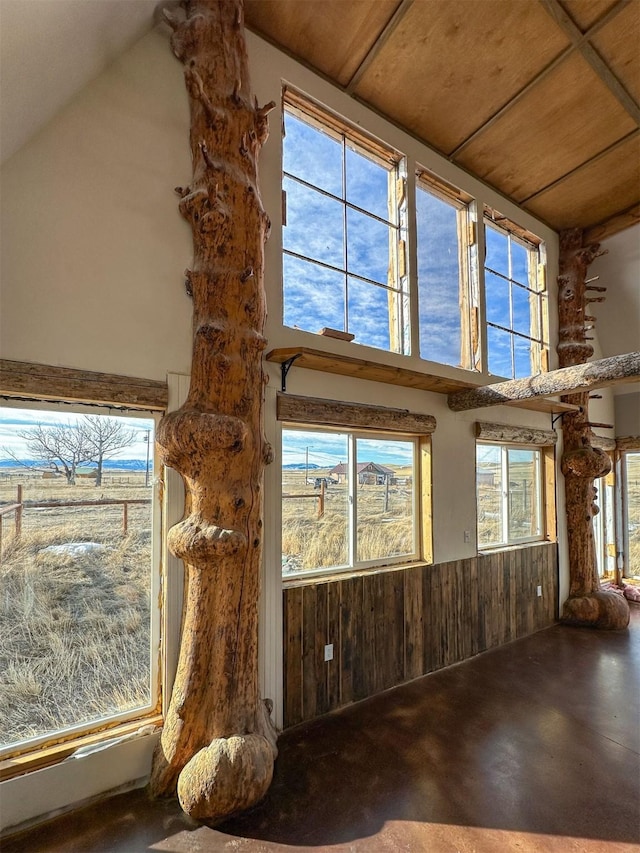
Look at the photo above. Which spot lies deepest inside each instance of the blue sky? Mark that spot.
(14, 420)
(327, 449)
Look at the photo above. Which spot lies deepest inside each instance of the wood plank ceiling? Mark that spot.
(538, 98)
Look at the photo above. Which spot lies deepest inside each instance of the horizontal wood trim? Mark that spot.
(391, 626)
(314, 410)
(515, 434)
(47, 382)
(602, 442)
(360, 368)
(629, 442)
(627, 219)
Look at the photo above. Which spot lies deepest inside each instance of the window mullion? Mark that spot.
(353, 493)
(505, 495)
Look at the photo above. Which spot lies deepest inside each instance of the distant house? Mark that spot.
(485, 478)
(87, 473)
(369, 473)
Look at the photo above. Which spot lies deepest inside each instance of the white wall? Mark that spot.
(93, 254)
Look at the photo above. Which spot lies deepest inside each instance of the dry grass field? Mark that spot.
(75, 617)
(633, 512)
(309, 542)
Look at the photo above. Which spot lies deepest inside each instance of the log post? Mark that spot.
(581, 462)
(218, 744)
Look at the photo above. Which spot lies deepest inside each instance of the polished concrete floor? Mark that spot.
(531, 747)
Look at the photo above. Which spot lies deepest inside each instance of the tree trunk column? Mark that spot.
(218, 743)
(581, 463)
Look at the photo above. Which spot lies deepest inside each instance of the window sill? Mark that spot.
(347, 574)
(55, 753)
(515, 546)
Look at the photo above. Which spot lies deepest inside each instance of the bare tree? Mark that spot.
(63, 447)
(104, 437)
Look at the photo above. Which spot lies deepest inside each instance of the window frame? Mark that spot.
(355, 566)
(53, 747)
(468, 284)
(536, 288)
(540, 503)
(397, 289)
(625, 453)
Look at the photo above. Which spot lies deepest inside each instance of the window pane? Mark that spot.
(369, 314)
(632, 478)
(76, 577)
(315, 226)
(499, 350)
(497, 249)
(313, 296)
(384, 499)
(367, 184)
(521, 310)
(522, 357)
(497, 300)
(524, 521)
(312, 155)
(519, 263)
(438, 279)
(314, 534)
(368, 247)
(489, 494)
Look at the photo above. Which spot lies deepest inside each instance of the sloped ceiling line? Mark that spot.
(619, 143)
(576, 43)
(581, 42)
(375, 48)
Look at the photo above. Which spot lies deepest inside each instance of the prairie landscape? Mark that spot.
(309, 542)
(75, 641)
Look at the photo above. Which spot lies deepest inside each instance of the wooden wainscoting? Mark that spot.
(395, 625)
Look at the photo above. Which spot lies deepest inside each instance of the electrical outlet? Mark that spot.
(467, 536)
(539, 591)
(328, 652)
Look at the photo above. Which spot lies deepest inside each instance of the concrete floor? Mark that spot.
(531, 747)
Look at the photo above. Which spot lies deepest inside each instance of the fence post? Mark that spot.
(0, 538)
(125, 517)
(18, 515)
(321, 499)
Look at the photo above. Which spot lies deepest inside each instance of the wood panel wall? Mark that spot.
(395, 625)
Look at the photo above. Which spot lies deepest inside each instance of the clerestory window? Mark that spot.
(447, 283)
(344, 256)
(515, 300)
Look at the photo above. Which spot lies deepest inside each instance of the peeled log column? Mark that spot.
(218, 745)
(581, 462)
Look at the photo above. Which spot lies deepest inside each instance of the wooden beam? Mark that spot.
(628, 442)
(592, 57)
(566, 380)
(313, 410)
(48, 382)
(613, 225)
(486, 431)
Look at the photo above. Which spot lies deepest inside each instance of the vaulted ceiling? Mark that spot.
(539, 98)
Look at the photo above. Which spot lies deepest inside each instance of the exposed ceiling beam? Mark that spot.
(575, 45)
(567, 380)
(378, 44)
(613, 225)
(592, 57)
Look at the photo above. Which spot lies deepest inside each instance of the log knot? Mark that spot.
(198, 543)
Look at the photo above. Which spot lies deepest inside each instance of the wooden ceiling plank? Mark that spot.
(591, 56)
(378, 44)
(611, 148)
(594, 195)
(608, 16)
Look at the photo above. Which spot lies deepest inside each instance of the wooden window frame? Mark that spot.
(27, 383)
(366, 421)
(397, 286)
